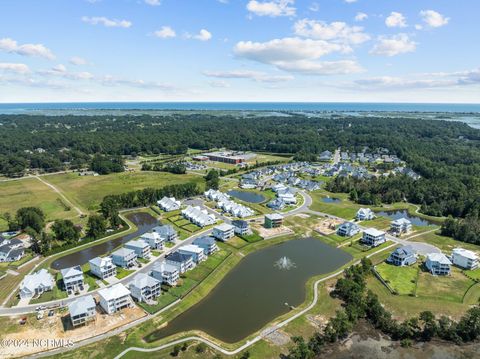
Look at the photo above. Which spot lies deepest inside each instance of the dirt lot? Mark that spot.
(39, 335)
(327, 226)
(272, 232)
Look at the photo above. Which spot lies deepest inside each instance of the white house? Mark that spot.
(196, 252)
(11, 250)
(154, 240)
(348, 229)
(140, 247)
(365, 214)
(373, 237)
(102, 267)
(207, 243)
(400, 226)
(169, 204)
(287, 195)
(145, 288)
(35, 284)
(166, 273)
(72, 278)
(223, 232)
(124, 257)
(166, 232)
(82, 310)
(114, 298)
(198, 216)
(438, 264)
(183, 262)
(464, 258)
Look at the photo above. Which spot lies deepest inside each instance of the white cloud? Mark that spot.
(273, 8)
(165, 32)
(61, 71)
(350, 1)
(203, 35)
(220, 83)
(78, 61)
(335, 31)
(321, 68)
(37, 50)
(153, 2)
(314, 7)
(14, 67)
(418, 27)
(433, 18)
(248, 74)
(361, 16)
(394, 45)
(396, 19)
(114, 81)
(102, 20)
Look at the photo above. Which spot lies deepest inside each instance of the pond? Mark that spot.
(331, 200)
(245, 196)
(397, 214)
(144, 222)
(257, 290)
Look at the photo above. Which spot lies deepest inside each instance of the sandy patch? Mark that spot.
(327, 226)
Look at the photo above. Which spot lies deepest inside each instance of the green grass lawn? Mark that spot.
(473, 274)
(122, 272)
(54, 294)
(252, 238)
(236, 242)
(446, 244)
(5, 265)
(31, 192)
(445, 288)
(162, 301)
(88, 191)
(401, 279)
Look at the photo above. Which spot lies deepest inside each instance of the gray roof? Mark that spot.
(164, 230)
(71, 272)
(178, 257)
(240, 224)
(81, 305)
(204, 240)
(404, 251)
(142, 280)
(123, 252)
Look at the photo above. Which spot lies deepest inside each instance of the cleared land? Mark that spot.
(401, 279)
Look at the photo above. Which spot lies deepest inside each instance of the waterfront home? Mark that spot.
(273, 220)
(124, 257)
(102, 267)
(140, 247)
(348, 229)
(438, 264)
(464, 258)
(365, 214)
(207, 243)
(166, 273)
(114, 298)
(144, 288)
(241, 228)
(166, 232)
(217, 196)
(169, 204)
(183, 262)
(199, 216)
(11, 250)
(235, 209)
(72, 279)
(373, 237)
(223, 232)
(403, 256)
(82, 310)
(400, 226)
(153, 239)
(195, 251)
(35, 284)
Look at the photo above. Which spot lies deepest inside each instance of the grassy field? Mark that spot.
(31, 192)
(10, 282)
(88, 191)
(446, 244)
(401, 279)
(473, 274)
(443, 288)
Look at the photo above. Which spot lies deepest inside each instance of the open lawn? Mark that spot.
(473, 274)
(88, 191)
(443, 288)
(237, 242)
(31, 192)
(446, 244)
(122, 272)
(401, 279)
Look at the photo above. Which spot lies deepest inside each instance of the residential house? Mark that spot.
(82, 310)
(195, 251)
(373, 237)
(11, 250)
(438, 264)
(166, 273)
(223, 232)
(35, 284)
(72, 279)
(114, 298)
(348, 229)
(464, 258)
(102, 267)
(400, 226)
(183, 262)
(199, 216)
(403, 256)
(153, 239)
(273, 220)
(287, 195)
(207, 243)
(167, 233)
(169, 204)
(140, 247)
(124, 257)
(145, 288)
(325, 156)
(241, 228)
(365, 214)
(276, 204)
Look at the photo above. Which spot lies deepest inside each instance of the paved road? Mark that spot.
(336, 156)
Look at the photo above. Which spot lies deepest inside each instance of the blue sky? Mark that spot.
(239, 50)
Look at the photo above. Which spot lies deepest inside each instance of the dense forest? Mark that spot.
(446, 154)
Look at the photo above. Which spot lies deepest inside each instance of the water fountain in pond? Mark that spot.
(284, 263)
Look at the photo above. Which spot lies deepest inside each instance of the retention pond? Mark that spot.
(245, 196)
